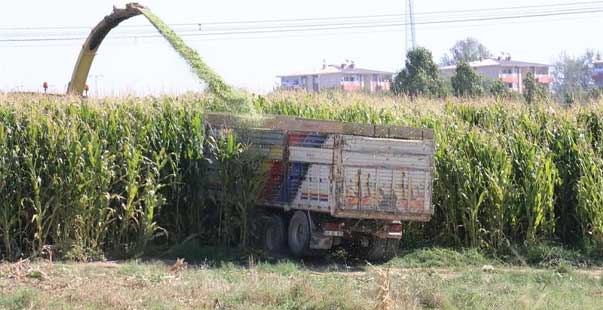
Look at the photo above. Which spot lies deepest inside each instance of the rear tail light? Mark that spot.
(332, 226)
(394, 227)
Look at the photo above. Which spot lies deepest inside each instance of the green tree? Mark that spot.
(466, 50)
(498, 89)
(420, 76)
(573, 77)
(466, 82)
(533, 91)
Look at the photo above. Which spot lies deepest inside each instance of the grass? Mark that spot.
(442, 280)
(536, 256)
(21, 298)
(441, 257)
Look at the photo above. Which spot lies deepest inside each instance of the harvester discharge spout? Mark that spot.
(98, 33)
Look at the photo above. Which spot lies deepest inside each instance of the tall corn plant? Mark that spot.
(10, 213)
(471, 187)
(589, 197)
(225, 150)
(590, 200)
(181, 134)
(240, 181)
(567, 145)
(535, 177)
(498, 182)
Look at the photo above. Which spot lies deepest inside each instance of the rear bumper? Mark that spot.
(333, 233)
(381, 215)
(388, 235)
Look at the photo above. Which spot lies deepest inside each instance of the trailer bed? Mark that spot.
(346, 170)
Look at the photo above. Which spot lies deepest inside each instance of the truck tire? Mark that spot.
(275, 235)
(299, 234)
(382, 249)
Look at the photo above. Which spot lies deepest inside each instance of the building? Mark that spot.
(345, 76)
(511, 72)
(598, 73)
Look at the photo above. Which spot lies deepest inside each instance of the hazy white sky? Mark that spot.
(148, 65)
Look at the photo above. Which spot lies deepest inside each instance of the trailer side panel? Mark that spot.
(346, 175)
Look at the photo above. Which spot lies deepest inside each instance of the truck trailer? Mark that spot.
(326, 183)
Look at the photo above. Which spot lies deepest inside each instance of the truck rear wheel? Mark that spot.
(275, 235)
(299, 234)
(382, 249)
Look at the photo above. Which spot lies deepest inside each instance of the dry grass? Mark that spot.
(286, 285)
(155, 286)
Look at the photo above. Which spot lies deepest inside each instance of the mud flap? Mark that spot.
(318, 241)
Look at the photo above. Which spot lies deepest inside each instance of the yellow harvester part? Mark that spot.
(84, 61)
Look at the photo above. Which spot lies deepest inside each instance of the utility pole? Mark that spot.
(409, 21)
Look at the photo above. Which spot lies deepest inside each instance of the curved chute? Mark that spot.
(98, 33)
(215, 84)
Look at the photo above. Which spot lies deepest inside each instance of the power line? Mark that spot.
(287, 28)
(245, 22)
(357, 24)
(390, 15)
(299, 35)
(497, 9)
(323, 28)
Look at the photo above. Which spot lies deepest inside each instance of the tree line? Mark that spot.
(572, 77)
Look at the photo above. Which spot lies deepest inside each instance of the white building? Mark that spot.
(344, 76)
(510, 72)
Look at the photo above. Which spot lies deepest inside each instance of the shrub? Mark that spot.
(533, 91)
(466, 82)
(499, 90)
(420, 76)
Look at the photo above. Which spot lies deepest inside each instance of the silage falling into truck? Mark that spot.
(215, 84)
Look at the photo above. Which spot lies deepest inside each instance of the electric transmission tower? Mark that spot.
(409, 21)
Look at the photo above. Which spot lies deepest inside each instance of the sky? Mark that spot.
(141, 66)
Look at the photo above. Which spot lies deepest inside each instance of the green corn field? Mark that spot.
(114, 176)
(95, 177)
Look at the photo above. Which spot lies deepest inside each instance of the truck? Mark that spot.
(329, 183)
